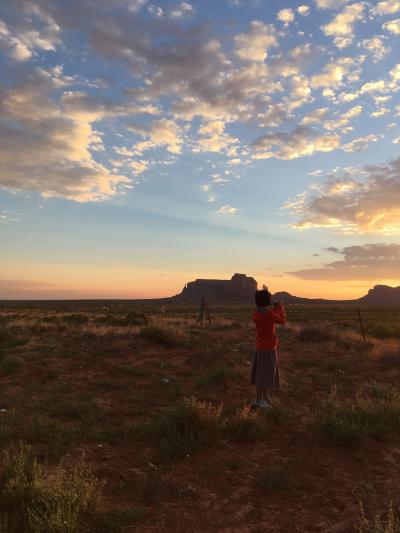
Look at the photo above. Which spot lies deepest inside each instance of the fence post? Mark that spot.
(361, 324)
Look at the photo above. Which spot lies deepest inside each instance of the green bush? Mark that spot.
(33, 501)
(161, 335)
(346, 423)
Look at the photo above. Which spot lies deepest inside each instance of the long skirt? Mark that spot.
(264, 371)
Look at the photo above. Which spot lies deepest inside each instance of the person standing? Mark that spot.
(264, 370)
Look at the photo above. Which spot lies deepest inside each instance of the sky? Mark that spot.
(146, 144)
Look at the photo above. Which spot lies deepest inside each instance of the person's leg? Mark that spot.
(259, 394)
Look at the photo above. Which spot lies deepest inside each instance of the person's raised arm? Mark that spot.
(278, 313)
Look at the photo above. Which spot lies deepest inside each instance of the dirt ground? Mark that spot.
(87, 383)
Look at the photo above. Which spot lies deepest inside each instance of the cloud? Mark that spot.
(360, 144)
(163, 132)
(363, 262)
(303, 10)
(22, 43)
(33, 124)
(254, 45)
(183, 9)
(343, 119)
(341, 28)
(387, 7)
(315, 116)
(376, 47)
(300, 142)
(6, 217)
(213, 138)
(334, 73)
(393, 26)
(227, 210)
(329, 4)
(286, 16)
(367, 203)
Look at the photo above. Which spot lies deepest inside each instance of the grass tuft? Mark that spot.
(36, 502)
(346, 423)
(385, 522)
(161, 335)
(192, 424)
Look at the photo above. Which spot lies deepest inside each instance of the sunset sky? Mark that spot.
(145, 144)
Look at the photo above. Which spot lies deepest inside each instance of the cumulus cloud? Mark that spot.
(303, 10)
(386, 7)
(376, 47)
(330, 4)
(254, 45)
(163, 132)
(31, 125)
(300, 142)
(286, 16)
(363, 262)
(315, 116)
(393, 26)
(21, 44)
(334, 73)
(343, 119)
(360, 144)
(365, 203)
(341, 28)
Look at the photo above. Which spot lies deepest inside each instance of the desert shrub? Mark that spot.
(317, 334)
(76, 319)
(272, 480)
(383, 331)
(186, 427)
(346, 423)
(192, 424)
(161, 335)
(244, 424)
(11, 364)
(33, 501)
(385, 522)
(219, 374)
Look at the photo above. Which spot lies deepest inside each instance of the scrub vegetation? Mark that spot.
(124, 416)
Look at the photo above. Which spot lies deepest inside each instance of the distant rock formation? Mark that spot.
(378, 295)
(239, 288)
(382, 295)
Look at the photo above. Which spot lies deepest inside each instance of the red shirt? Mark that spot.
(265, 321)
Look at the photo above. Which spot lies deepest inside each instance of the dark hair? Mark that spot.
(262, 298)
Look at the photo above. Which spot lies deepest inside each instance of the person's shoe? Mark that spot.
(266, 404)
